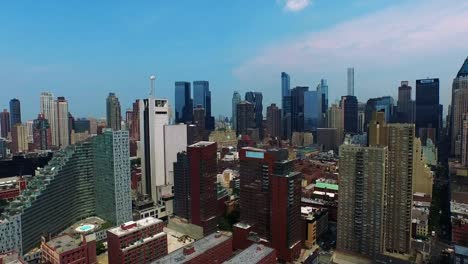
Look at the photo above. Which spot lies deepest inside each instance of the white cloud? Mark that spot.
(391, 35)
(296, 5)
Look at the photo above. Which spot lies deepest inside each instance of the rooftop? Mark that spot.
(11, 257)
(64, 243)
(252, 254)
(134, 226)
(325, 185)
(201, 144)
(195, 249)
(459, 250)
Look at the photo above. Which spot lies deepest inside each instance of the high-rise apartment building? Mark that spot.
(42, 136)
(63, 124)
(19, 139)
(195, 185)
(48, 107)
(459, 108)
(15, 112)
(112, 169)
(183, 103)
(245, 117)
(270, 194)
(256, 98)
(428, 114)
(349, 107)
(63, 192)
(286, 195)
(236, 98)
(202, 157)
(405, 105)
(361, 203)
(286, 105)
(274, 121)
(199, 122)
(350, 82)
(402, 161)
(113, 112)
(5, 125)
(142, 241)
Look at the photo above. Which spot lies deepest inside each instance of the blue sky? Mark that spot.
(85, 49)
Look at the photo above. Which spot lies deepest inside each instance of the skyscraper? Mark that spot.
(182, 183)
(335, 120)
(202, 96)
(270, 194)
(350, 82)
(322, 88)
(42, 136)
(135, 124)
(183, 103)
(384, 103)
(5, 125)
(48, 107)
(154, 115)
(236, 98)
(62, 122)
(202, 157)
(19, 139)
(458, 109)
(427, 106)
(349, 106)
(274, 121)
(312, 110)
(297, 108)
(400, 140)
(405, 105)
(361, 203)
(113, 111)
(112, 169)
(245, 117)
(286, 195)
(15, 112)
(286, 105)
(256, 98)
(199, 121)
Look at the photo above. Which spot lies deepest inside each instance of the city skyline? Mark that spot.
(58, 62)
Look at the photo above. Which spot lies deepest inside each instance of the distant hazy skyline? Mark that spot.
(84, 50)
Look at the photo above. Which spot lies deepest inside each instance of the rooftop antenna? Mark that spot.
(152, 79)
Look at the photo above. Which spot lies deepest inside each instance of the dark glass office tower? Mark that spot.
(297, 108)
(349, 106)
(286, 105)
(15, 112)
(202, 96)
(405, 105)
(245, 117)
(427, 106)
(183, 103)
(256, 99)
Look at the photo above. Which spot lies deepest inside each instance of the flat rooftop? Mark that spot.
(252, 254)
(64, 243)
(459, 250)
(199, 247)
(201, 144)
(127, 228)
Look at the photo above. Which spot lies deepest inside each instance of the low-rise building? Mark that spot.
(11, 257)
(315, 224)
(215, 248)
(142, 241)
(66, 249)
(255, 254)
